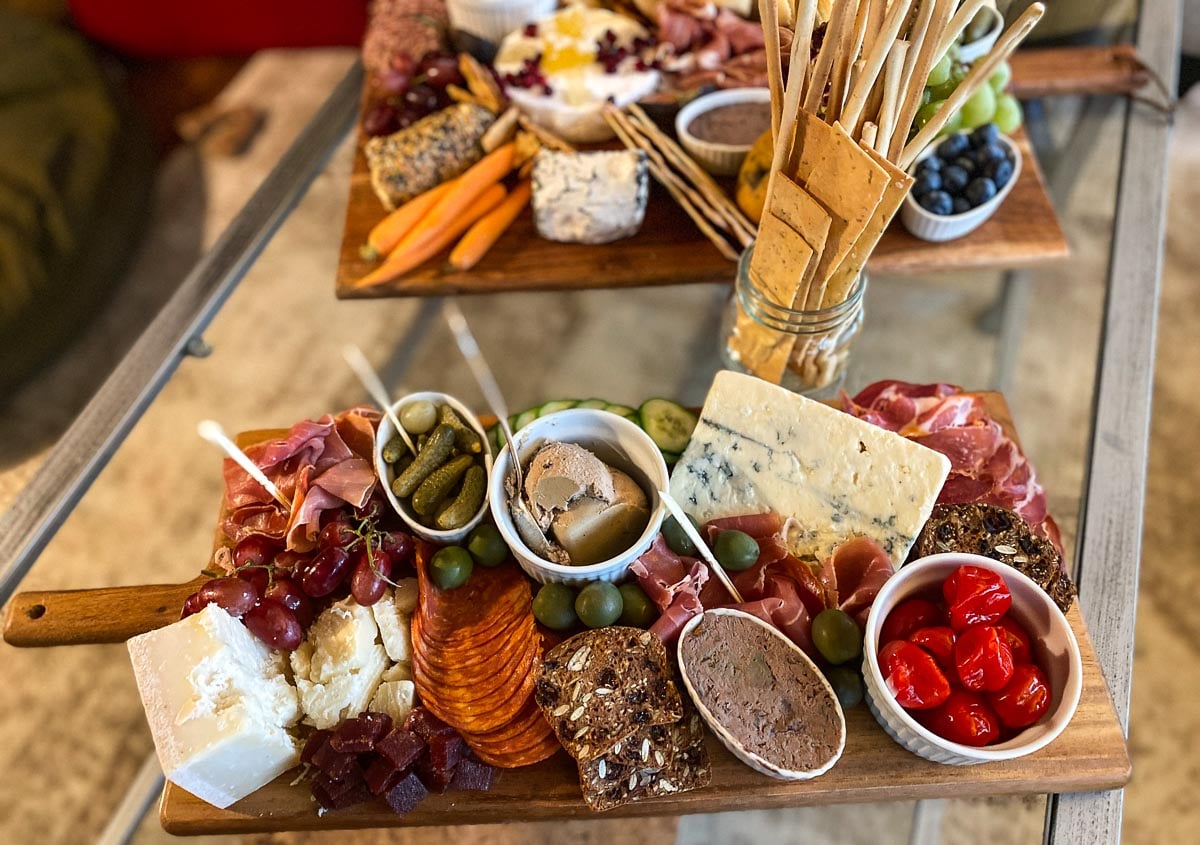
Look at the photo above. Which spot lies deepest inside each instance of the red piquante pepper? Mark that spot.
(964, 717)
(912, 675)
(983, 658)
(1018, 640)
(938, 641)
(907, 617)
(1024, 699)
(975, 596)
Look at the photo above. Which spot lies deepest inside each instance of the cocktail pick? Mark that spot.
(374, 385)
(701, 546)
(211, 431)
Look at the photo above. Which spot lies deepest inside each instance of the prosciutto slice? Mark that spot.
(986, 465)
(318, 465)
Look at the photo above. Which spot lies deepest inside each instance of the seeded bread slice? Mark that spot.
(1002, 535)
(652, 761)
(600, 686)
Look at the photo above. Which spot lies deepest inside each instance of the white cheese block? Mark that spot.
(394, 627)
(341, 637)
(397, 672)
(218, 705)
(340, 664)
(590, 198)
(394, 698)
(758, 447)
(404, 595)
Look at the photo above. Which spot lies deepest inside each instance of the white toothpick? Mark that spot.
(374, 385)
(701, 546)
(211, 431)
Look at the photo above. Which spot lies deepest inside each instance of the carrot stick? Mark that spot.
(400, 262)
(467, 188)
(489, 228)
(390, 230)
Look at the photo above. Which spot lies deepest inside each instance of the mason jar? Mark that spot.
(810, 349)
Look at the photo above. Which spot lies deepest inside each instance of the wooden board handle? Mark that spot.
(87, 617)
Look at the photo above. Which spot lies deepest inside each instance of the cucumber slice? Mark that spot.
(622, 410)
(671, 458)
(496, 439)
(557, 405)
(594, 404)
(525, 418)
(668, 423)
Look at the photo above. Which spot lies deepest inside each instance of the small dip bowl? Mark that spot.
(969, 51)
(721, 159)
(755, 761)
(386, 475)
(1053, 643)
(614, 440)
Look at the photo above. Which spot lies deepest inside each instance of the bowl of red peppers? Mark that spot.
(968, 661)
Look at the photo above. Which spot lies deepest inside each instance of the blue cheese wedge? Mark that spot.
(758, 447)
(218, 704)
(590, 198)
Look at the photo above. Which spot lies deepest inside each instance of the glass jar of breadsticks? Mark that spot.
(803, 349)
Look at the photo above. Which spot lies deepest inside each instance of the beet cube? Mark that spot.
(406, 795)
(445, 750)
(359, 735)
(401, 747)
(382, 775)
(314, 744)
(326, 759)
(435, 779)
(472, 774)
(425, 725)
(337, 795)
(345, 768)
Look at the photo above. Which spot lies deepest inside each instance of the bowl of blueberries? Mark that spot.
(960, 182)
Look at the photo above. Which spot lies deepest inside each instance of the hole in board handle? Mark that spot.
(36, 612)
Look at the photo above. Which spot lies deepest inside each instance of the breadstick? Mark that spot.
(875, 20)
(769, 12)
(891, 96)
(842, 18)
(879, 49)
(978, 76)
(965, 14)
(842, 62)
(919, 70)
(870, 133)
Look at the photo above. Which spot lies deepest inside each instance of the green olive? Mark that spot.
(554, 607)
(418, 417)
(736, 550)
(837, 636)
(847, 685)
(487, 546)
(451, 567)
(677, 538)
(598, 604)
(637, 610)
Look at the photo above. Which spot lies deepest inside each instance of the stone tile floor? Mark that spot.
(71, 730)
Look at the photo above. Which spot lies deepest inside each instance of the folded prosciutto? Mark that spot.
(779, 589)
(986, 465)
(318, 465)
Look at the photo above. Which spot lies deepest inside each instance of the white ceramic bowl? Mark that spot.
(972, 50)
(1054, 645)
(491, 20)
(386, 476)
(946, 227)
(614, 440)
(719, 159)
(751, 759)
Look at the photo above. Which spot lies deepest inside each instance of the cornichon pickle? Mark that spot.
(439, 484)
(432, 455)
(459, 512)
(466, 438)
(394, 450)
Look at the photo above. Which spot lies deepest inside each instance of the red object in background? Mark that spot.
(177, 28)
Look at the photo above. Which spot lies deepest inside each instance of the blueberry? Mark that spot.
(966, 163)
(937, 202)
(980, 191)
(953, 147)
(961, 206)
(984, 135)
(927, 182)
(954, 179)
(998, 171)
(929, 163)
(989, 152)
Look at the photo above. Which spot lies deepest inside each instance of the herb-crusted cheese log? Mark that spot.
(759, 447)
(431, 151)
(590, 198)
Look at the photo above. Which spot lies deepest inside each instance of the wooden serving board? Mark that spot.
(670, 250)
(1090, 754)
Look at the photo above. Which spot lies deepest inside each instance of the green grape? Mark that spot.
(980, 108)
(959, 72)
(941, 92)
(999, 80)
(954, 124)
(926, 97)
(940, 72)
(928, 111)
(1008, 114)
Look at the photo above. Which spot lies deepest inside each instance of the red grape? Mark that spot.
(255, 550)
(375, 507)
(289, 561)
(233, 595)
(440, 70)
(422, 98)
(397, 544)
(259, 577)
(338, 533)
(367, 584)
(403, 63)
(322, 574)
(192, 604)
(393, 79)
(381, 119)
(275, 625)
(288, 593)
